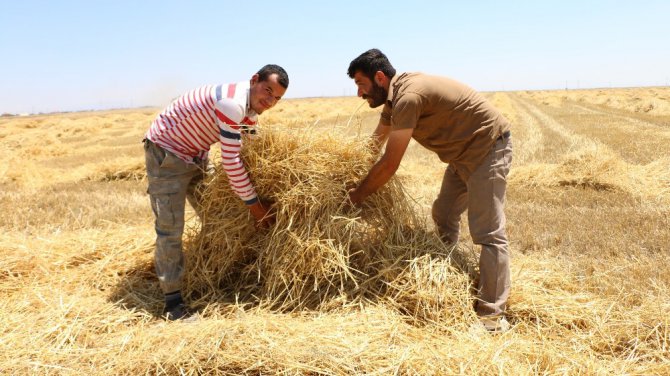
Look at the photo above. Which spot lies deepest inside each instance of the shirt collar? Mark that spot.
(389, 98)
(250, 111)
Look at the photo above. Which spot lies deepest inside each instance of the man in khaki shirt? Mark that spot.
(465, 131)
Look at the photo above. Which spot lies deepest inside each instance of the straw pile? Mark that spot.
(599, 168)
(322, 253)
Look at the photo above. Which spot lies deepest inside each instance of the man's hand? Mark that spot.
(263, 217)
(383, 170)
(355, 197)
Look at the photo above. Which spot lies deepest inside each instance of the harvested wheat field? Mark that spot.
(332, 289)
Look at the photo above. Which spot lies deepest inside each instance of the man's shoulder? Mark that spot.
(419, 86)
(416, 81)
(407, 88)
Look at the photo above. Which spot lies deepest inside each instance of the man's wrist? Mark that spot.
(252, 201)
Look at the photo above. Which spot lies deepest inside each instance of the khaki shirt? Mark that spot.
(448, 117)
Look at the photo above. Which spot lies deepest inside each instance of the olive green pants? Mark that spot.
(483, 195)
(171, 182)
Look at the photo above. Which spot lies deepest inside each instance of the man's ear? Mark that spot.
(381, 79)
(254, 79)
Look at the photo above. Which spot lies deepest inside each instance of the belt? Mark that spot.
(505, 134)
(146, 141)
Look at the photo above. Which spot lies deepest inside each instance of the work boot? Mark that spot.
(175, 308)
(495, 324)
(178, 312)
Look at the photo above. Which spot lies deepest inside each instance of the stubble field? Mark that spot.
(588, 209)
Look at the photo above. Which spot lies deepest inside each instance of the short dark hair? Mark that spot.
(270, 69)
(369, 62)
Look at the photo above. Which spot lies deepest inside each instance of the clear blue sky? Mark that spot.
(79, 55)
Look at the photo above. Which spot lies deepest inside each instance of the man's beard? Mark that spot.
(378, 95)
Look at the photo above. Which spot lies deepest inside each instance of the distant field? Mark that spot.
(588, 211)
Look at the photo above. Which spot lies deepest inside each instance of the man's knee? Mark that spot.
(447, 236)
(447, 228)
(169, 212)
(491, 237)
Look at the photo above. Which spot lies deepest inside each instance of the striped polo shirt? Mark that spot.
(200, 118)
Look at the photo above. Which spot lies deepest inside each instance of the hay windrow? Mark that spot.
(600, 169)
(321, 248)
(122, 169)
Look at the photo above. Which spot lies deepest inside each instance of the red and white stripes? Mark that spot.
(203, 116)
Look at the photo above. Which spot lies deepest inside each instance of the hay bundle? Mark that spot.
(321, 252)
(429, 290)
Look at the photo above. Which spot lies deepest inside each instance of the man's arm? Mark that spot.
(387, 165)
(229, 117)
(379, 137)
(382, 131)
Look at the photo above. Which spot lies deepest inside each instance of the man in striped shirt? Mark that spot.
(176, 149)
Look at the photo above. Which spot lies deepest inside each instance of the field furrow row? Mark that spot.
(556, 140)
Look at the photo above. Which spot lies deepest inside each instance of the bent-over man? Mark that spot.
(176, 149)
(465, 131)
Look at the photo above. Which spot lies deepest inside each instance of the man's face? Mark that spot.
(369, 90)
(265, 94)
